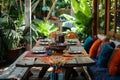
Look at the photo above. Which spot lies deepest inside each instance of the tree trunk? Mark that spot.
(28, 18)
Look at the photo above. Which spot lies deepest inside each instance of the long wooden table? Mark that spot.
(75, 60)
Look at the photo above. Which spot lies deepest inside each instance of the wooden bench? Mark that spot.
(13, 72)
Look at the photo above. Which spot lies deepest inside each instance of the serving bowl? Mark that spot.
(58, 47)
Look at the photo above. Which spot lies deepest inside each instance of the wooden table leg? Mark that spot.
(43, 71)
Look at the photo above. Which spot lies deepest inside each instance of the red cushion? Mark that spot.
(114, 66)
(94, 48)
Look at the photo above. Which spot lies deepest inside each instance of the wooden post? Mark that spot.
(28, 17)
(95, 17)
(106, 15)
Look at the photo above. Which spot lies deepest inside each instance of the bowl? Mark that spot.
(58, 47)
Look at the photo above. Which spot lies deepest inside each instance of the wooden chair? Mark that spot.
(53, 34)
(71, 35)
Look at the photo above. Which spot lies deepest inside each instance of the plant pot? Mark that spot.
(13, 54)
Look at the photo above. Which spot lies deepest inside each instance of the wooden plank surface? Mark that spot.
(26, 62)
(85, 60)
(18, 73)
(41, 63)
(79, 60)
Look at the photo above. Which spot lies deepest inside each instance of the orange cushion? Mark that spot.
(94, 48)
(114, 66)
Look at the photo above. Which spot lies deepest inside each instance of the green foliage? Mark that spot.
(11, 31)
(82, 12)
(11, 24)
(63, 4)
(68, 17)
(83, 18)
(44, 27)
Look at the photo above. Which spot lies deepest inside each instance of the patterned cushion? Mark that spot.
(114, 66)
(105, 55)
(100, 48)
(104, 41)
(88, 43)
(94, 48)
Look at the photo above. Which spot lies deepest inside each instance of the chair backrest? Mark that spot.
(71, 35)
(53, 34)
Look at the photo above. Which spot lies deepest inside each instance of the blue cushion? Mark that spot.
(100, 73)
(88, 43)
(105, 55)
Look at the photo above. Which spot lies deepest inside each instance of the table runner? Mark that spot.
(55, 59)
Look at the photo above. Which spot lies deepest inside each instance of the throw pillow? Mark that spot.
(105, 55)
(88, 43)
(94, 48)
(114, 66)
(104, 41)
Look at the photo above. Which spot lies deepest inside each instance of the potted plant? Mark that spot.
(11, 21)
(12, 34)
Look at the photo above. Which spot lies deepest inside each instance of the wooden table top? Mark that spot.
(67, 60)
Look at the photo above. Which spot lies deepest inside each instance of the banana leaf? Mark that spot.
(82, 12)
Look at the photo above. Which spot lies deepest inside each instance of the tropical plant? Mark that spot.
(44, 28)
(63, 4)
(11, 21)
(41, 8)
(83, 18)
(11, 30)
